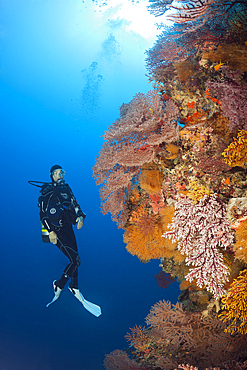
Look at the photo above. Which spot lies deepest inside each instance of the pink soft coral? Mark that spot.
(200, 229)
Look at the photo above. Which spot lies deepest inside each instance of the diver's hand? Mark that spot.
(80, 221)
(53, 237)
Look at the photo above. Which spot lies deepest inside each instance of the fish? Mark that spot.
(218, 66)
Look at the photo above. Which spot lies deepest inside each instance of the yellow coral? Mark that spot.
(197, 191)
(240, 247)
(234, 309)
(236, 153)
(234, 265)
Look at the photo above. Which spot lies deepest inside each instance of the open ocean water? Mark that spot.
(66, 67)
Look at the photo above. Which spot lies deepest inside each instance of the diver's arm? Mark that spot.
(53, 237)
(78, 211)
(80, 222)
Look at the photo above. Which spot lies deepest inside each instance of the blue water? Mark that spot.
(64, 73)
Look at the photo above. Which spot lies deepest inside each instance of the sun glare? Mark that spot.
(137, 17)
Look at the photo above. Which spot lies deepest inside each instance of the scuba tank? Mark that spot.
(45, 234)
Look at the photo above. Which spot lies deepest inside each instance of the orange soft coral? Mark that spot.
(143, 236)
(151, 178)
(166, 215)
(173, 151)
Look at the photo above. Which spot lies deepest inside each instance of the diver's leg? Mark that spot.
(64, 278)
(68, 246)
(74, 276)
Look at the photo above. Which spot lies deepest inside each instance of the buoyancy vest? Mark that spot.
(56, 203)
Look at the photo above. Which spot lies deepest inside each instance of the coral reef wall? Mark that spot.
(172, 171)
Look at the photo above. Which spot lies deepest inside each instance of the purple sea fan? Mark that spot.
(232, 94)
(201, 229)
(164, 279)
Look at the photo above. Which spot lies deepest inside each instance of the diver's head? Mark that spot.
(57, 173)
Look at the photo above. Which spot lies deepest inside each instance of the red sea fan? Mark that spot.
(187, 337)
(193, 14)
(119, 360)
(163, 52)
(187, 367)
(145, 124)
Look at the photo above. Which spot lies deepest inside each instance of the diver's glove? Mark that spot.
(80, 221)
(53, 237)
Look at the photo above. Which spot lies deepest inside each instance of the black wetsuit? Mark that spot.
(58, 212)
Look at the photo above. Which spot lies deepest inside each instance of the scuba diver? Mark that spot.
(59, 210)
